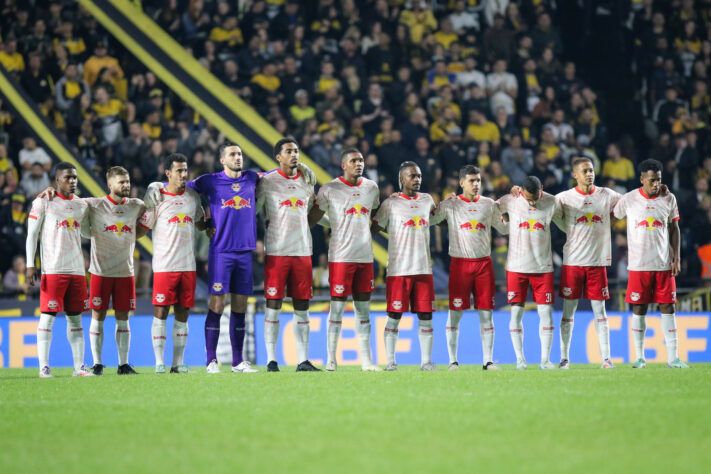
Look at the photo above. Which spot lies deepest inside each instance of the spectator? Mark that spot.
(31, 154)
(10, 58)
(14, 279)
(482, 130)
(35, 181)
(617, 167)
(70, 88)
(516, 161)
(502, 87)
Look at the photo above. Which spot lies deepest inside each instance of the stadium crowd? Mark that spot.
(442, 82)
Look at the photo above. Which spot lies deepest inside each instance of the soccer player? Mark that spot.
(173, 221)
(469, 219)
(409, 283)
(56, 223)
(586, 254)
(530, 261)
(653, 245)
(287, 200)
(350, 201)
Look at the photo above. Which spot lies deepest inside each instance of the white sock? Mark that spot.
(123, 340)
(301, 332)
(486, 331)
(452, 333)
(75, 335)
(670, 336)
(566, 327)
(271, 332)
(426, 336)
(180, 340)
(333, 328)
(44, 338)
(545, 330)
(158, 332)
(602, 327)
(362, 324)
(390, 336)
(96, 338)
(639, 327)
(516, 330)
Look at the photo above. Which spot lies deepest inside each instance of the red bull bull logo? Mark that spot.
(236, 203)
(650, 223)
(589, 219)
(416, 223)
(69, 223)
(293, 203)
(531, 225)
(180, 219)
(118, 228)
(358, 211)
(472, 226)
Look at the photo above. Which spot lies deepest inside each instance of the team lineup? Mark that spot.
(351, 207)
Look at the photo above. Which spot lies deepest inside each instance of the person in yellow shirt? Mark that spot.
(10, 58)
(482, 130)
(267, 79)
(419, 19)
(327, 78)
(74, 46)
(228, 34)
(549, 145)
(108, 111)
(301, 110)
(99, 61)
(446, 35)
(616, 166)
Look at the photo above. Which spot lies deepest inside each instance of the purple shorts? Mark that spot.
(230, 273)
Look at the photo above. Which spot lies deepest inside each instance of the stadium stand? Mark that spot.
(515, 87)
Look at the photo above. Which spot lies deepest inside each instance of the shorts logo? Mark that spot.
(96, 301)
(372, 284)
(673, 296)
(339, 289)
(511, 295)
(52, 304)
(236, 187)
(271, 291)
(567, 291)
(634, 296)
(217, 286)
(605, 292)
(397, 305)
(160, 297)
(132, 303)
(457, 302)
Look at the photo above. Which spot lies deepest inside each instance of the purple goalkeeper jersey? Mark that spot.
(232, 205)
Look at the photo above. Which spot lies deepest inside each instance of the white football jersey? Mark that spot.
(60, 234)
(173, 223)
(586, 219)
(286, 201)
(469, 225)
(648, 219)
(406, 221)
(112, 228)
(350, 208)
(530, 232)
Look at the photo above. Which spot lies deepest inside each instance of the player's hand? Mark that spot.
(308, 174)
(675, 267)
(515, 191)
(153, 195)
(31, 275)
(394, 195)
(48, 193)
(450, 197)
(210, 232)
(664, 190)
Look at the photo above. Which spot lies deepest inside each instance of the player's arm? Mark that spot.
(380, 221)
(439, 215)
(34, 227)
(500, 221)
(675, 241)
(153, 195)
(315, 214)
(147, 221)
(559, 216)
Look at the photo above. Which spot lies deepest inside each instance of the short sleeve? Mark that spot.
(38, 209)
(674, 214)
(614, 197)
(439, 214)
(503, 203)
(620, 209)
(376, 199)
(148, 219)
(382, 218)
(322, 199)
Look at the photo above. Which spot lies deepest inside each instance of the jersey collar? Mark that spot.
(288, 177)
(349, 184)
(585, 194)
(163, 191)
(641, 191)
(59, 195)
(114, 202)
(476, 199)
(405, 196)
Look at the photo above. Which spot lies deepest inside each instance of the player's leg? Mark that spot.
(164, 295)
(639, 328)
(186, 300)
(572, 281)
(517, 289)
(100, 290)
(212, 330)
(461, 284)
(275, 269)
(241, 286)
(76, 300)
(665, 295)
(397, 296)
(340, 277)
(363, 285)
(422, 299)
(639, 295)
(597, 291)
(543, 286)
(484, 300)
(50, 303)
(390, 337)
(300, 289)
(124, 300)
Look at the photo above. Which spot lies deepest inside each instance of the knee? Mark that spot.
(301, 305)
(392, 315)
(425, 316)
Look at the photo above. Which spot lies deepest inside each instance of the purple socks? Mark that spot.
(212, 334)
(236, 337)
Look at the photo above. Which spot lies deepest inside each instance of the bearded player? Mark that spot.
(653, 258)
(350, 201)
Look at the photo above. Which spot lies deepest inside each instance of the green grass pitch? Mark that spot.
(581, 420)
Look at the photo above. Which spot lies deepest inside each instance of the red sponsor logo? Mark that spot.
(416, 222)
(180, 219)
(293, 203)
(472, 226)
(531, 225)
(589, 219)
(118, 228)
(358, 210)
(68, 223)
(650, 223)
(236, 203)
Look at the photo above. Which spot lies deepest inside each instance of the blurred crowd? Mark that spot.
(444, 83)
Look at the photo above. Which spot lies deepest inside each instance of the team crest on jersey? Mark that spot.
(339, 289)
(397, 305)
(132, 303)
(511, 295)
(567, 291)
(605, 292)
(271, 291)
(52, 304)
(217, 286)
(634, 296)
(457, 302)
(236, 187)
(96, 301)
(160, 297)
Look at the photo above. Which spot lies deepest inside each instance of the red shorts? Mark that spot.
(471, 275)
(346, 278)
(593, 279)
(63, 293)
(174, 288)
(122, 291)
(542, 284)
(651, 287)
(293, 272)
(410, 291)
